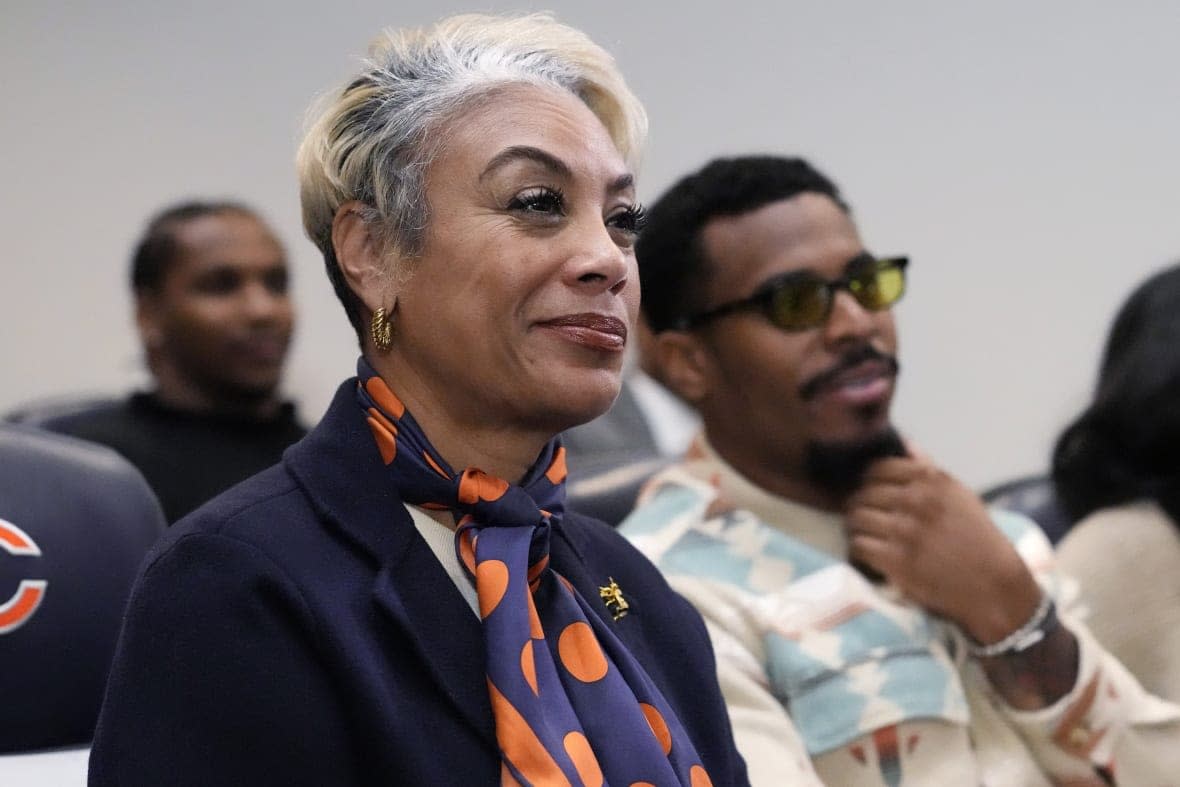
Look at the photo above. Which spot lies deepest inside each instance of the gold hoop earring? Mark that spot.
(381, 330)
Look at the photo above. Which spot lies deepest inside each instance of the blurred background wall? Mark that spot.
(1023, 154)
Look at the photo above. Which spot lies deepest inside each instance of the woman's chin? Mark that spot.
(576, 404)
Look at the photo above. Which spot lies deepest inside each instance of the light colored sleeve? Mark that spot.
(1127, 561)
(1107, 721)
(770, 743)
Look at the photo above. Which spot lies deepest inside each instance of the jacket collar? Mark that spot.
(339, 469)
(822, 530)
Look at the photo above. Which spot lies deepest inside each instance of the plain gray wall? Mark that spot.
(1023, 154)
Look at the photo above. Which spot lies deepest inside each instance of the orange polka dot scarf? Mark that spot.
(570, 703)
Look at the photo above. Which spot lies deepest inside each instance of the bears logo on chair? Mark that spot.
(18, 609)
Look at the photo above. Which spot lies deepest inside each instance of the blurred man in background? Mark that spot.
(210, 281)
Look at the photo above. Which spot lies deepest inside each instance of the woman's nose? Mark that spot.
(600, 262)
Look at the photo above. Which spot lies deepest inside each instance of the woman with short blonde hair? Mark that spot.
(405, 599)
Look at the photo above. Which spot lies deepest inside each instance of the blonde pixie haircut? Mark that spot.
(374, 140)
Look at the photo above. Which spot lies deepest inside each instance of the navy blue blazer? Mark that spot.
(297, 630)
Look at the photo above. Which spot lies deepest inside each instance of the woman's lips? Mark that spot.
(596, 331)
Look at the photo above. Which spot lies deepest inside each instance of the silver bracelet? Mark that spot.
(1043, 621)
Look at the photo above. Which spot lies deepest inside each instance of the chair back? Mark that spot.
(76, 520)
(1034, 497)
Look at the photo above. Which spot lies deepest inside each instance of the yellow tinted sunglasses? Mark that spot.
(798, 300)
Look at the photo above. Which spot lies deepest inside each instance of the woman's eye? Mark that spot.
(543, 201)
(630, 220)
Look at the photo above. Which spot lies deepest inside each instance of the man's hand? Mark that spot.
(933, 539)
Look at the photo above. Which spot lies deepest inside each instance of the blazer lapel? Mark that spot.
(339, 468)
(417, 593)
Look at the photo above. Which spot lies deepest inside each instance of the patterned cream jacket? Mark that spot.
(833, 680)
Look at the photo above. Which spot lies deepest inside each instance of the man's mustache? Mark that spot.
(850, 359)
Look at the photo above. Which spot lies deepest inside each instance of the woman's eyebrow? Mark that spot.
(527, 153)
(621, 183)
(551, 162)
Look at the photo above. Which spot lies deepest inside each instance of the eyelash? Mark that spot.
(631, 219)
(549, 201)
(539, 200)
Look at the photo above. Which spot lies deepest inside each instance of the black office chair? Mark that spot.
(1034, 497)
(42, 411)
(75, 522)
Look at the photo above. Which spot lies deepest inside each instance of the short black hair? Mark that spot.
(673, 268)
(157, 249)
(1125, 445)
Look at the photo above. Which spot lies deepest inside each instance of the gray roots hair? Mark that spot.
(373, 141)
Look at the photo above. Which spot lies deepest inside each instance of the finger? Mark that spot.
(874, 522)
(893, 470)
(881, 554)
(912, 449)
(882, 496)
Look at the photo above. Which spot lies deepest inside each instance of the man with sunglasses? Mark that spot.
(874, 624)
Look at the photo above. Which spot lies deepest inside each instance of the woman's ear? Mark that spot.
(679, 361)
(358, 253)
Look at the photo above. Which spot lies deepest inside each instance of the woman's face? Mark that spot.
(520, 307)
